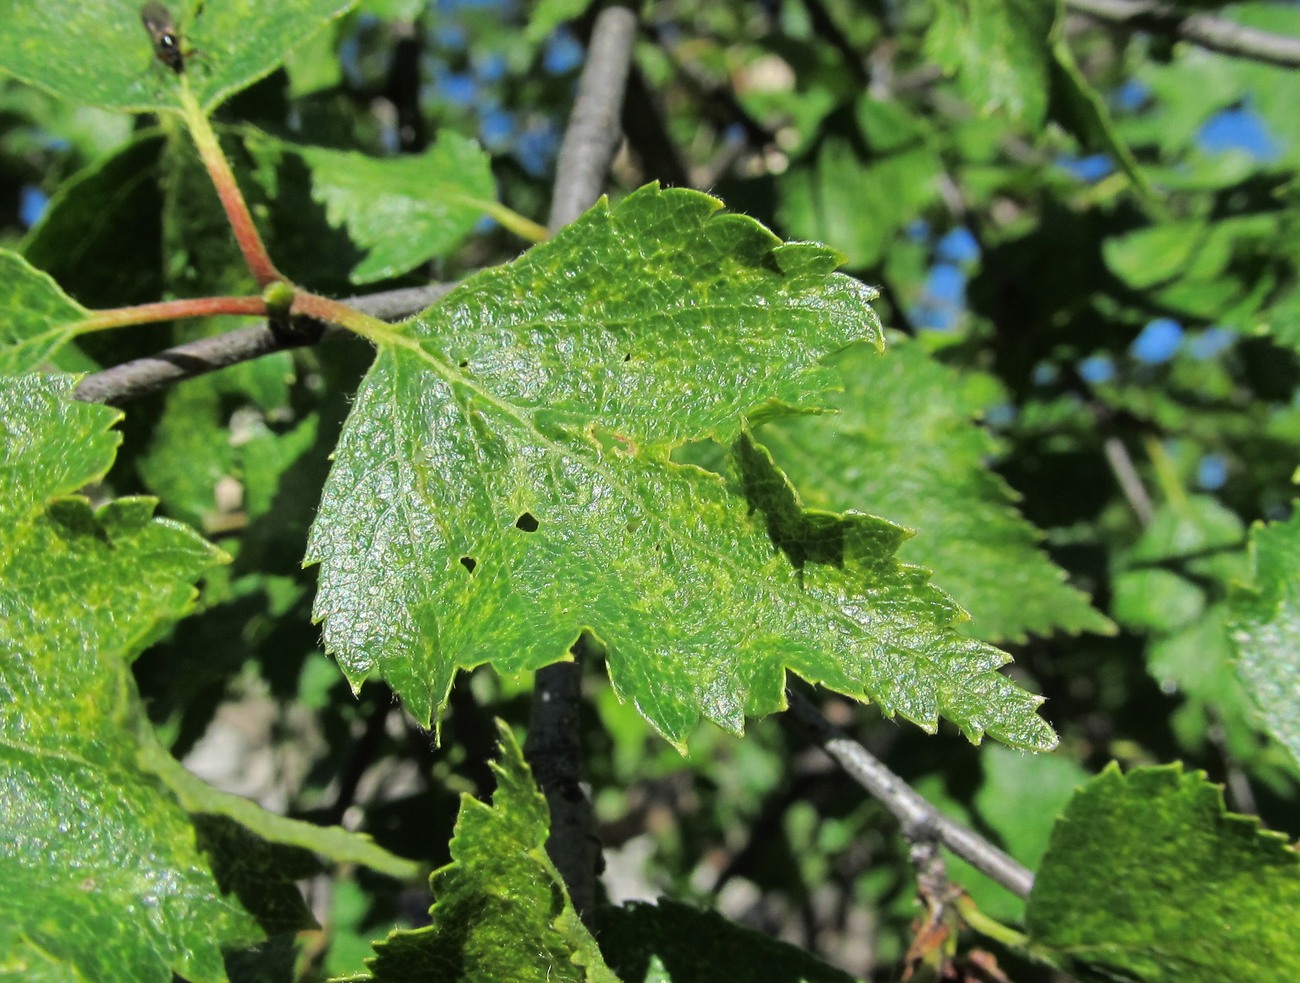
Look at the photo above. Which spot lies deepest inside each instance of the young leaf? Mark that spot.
(1266, 629)
(403, 210)
(99, 54)
(39, 317)
(905, 446)
(501, 911)
(504, 482)
(1148, 877)
(89, 833)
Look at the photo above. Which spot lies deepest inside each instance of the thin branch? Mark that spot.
(130, 380)
(1206, 30)
(593, 132)
(553, 748)
(917, 817)
(1130, 482)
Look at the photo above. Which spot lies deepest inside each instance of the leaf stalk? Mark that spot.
(250, 242)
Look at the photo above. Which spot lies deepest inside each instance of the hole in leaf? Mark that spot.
(469, 563)
(464, 363)
(627, 357)
(526, 522)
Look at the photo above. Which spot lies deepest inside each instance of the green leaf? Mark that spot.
(99, 54)
(504, 483)
(190, 450)
(523, 427)
(89, 832)
(1198, 662)
(1148, 877)
(689, 945)
(1195, 531)
(39, 317)
(1157, 600)
(1208, 269)
(1020, 799)
(1265, 629)
(1156, 254)
(501, 911)
(38, 468)
(998, 50)
(905, 446)
(1081, 109)
(857, 205)
(403, 210)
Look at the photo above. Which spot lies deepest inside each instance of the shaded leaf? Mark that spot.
(99, 235)
(501, 911)
(1148, 877)
(857, 205)
(906, 446)
(1077, 106)
(261, 830)
(687, 945)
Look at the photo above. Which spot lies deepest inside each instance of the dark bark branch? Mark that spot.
(918, 819)
(553, 748)
(554, 752)
(130, 380)
(1203, 29)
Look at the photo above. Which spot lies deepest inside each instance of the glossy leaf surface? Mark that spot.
(504, 483)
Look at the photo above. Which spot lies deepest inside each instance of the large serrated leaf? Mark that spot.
(501, 911)
(1266, 629)
(504, 483)
(99, 53)
(1148, 877)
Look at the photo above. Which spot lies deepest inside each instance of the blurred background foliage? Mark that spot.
(1094, 226)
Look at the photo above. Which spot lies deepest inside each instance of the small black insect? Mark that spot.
(157, 20)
